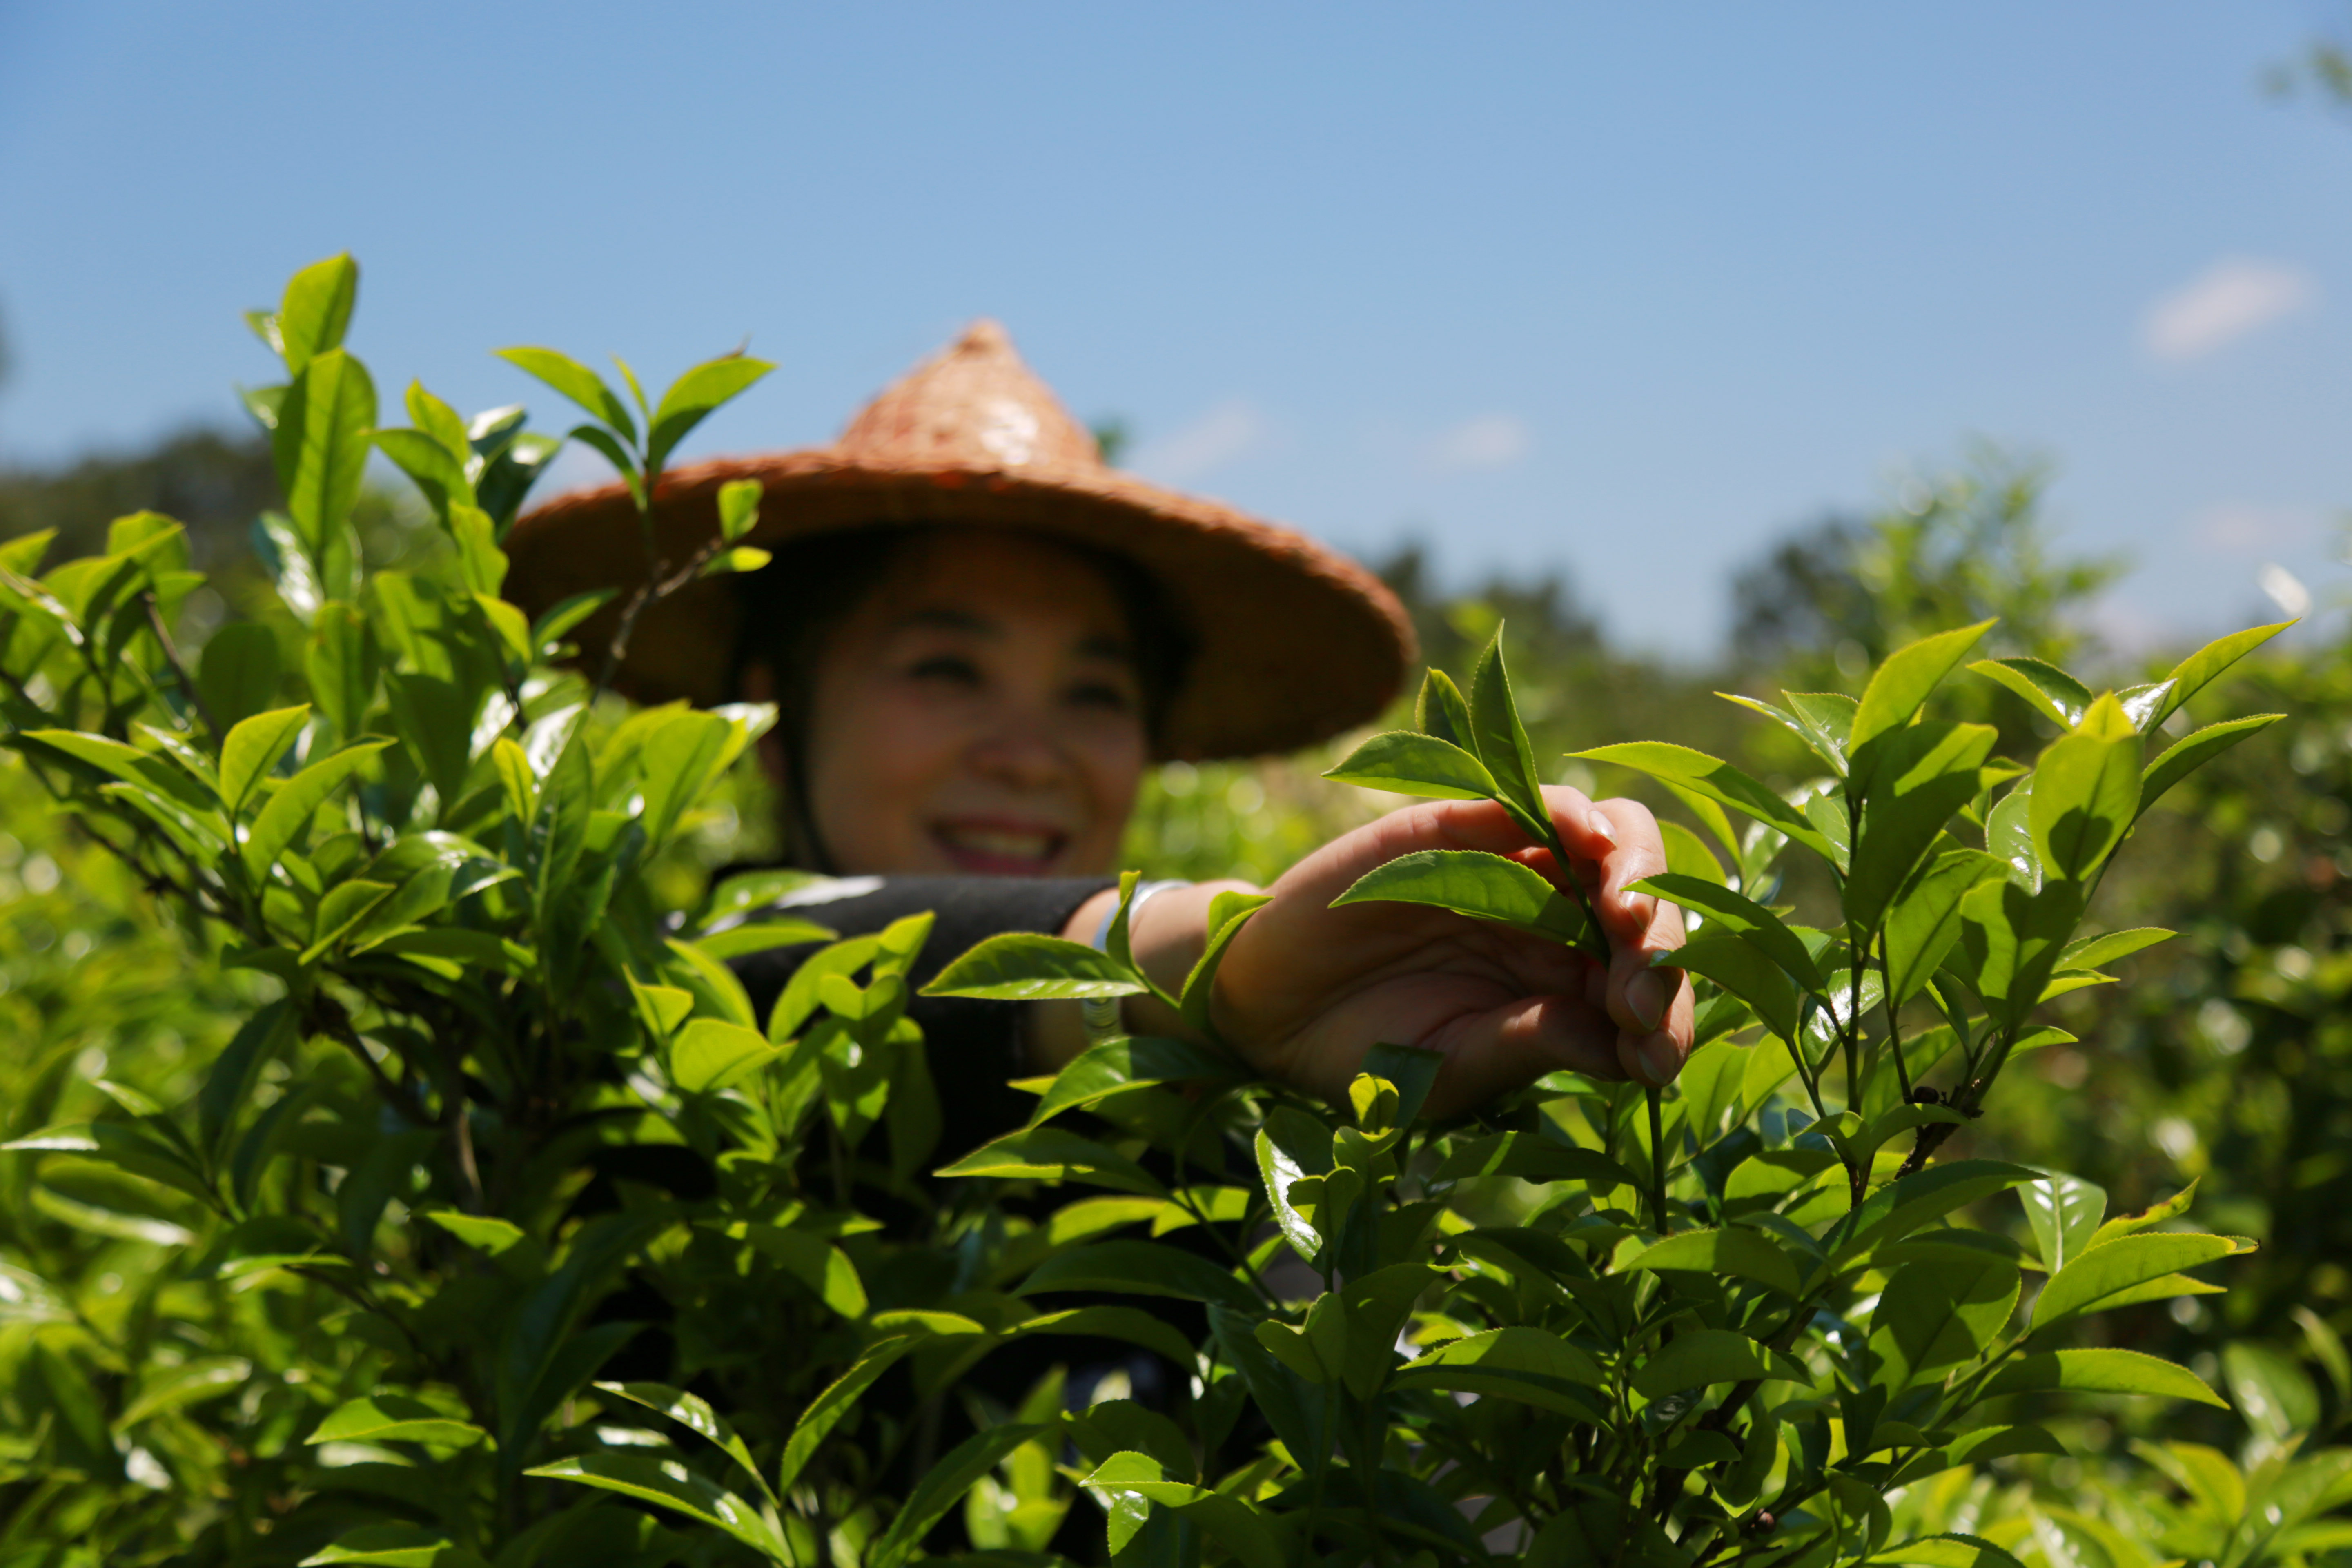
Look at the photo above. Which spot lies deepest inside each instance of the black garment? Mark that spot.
(974, 1046)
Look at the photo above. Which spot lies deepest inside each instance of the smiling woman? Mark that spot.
(978, 636)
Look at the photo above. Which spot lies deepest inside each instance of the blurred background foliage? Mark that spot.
(2225, 1058)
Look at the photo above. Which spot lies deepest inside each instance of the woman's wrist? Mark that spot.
(1167, 937)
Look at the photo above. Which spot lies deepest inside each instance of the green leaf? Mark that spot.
(825, 1411)
(2193, 750)
(739, 508)
(1440, 712)
(1501, 740)
(1744, 1253)
(237, 672)
(943, 1485)
(1733, 911)
(322, 446)
(1935, 1316)
(816, 1262)
(577, 382)
(1532, 1157)
(290, 808)
(1921, 777)
(1122, 1066)
(692, 399)
(253, 748)
(672, 1485)
(1054, 1155)
(1834, 757)
(485, 1234)
(1948, 1552)
(437, 473)
(2154, 1214)
(1277, 1171)
(394, 1418)
(1900, 683)
(760, 936)
(1023, 966)
(710, 1053)
(1925, 919)
(692, 1411)
(1737, 964)
(2103, 1272)
(1522, 1363)
(1475, 883)
(2047, 689)
(2086, 792)
(2098, 952)
(1405, 763)
(1688, 855)
(1702, 1357)
(1828, 716)
(1132, 1325)
(1907, 1203)
(316, 311)
(393, 1546)
(1680, 768)
(2063, 1212)
(566, 614)
(1140, 1268)
(1228, 912)
(2193, 674)
(2101, 1372)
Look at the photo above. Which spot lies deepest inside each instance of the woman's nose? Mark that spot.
(1024, 753)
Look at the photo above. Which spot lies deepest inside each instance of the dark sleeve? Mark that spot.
(973, 1047)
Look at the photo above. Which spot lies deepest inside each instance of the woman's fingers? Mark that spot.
(1650, 1003)
(1508, 1047)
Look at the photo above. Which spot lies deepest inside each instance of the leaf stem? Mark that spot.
(1657, 1162)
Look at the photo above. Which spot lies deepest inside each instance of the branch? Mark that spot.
(179, 670)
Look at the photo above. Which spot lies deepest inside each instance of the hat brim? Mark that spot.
(1293, 642)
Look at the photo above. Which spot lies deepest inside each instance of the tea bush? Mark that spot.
(488, 1223)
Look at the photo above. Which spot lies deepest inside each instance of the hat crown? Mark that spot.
(975, 405)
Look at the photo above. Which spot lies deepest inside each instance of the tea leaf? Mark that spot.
(2111, 1267)
(1139, 1268)
(2086, 792)
(1900, 684)
(1475, 883)
(1743, 1253)
(1922, 776)
(955, 1473)
(322, 446)
(692, 399)
(2193, 750)
(693, 1413)
(394, 1418)
(1924, 921)
(2046, 689)
(1407, 764)
(316, 311)
(253, 747)
(1679, 767)
(2101, 1372)
(2193, 674)
(1021, 966)
(2063, 1212)
(671, 1486)
(1701, 1357)
(581, 385)
(1734, 912)
(1935, 1316)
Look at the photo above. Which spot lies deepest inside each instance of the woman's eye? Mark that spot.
(1104, 695)
(947, 668)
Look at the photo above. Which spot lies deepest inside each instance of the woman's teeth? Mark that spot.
(1001, 842)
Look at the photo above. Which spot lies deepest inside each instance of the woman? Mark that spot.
(979, 635)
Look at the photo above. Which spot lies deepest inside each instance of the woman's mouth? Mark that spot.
(997, 848)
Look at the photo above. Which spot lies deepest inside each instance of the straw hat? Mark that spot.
(1294, 642)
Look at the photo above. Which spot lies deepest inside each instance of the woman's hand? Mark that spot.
(1306, 989)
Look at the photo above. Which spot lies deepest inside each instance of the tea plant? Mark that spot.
(1728, 1323)
(502, 1227)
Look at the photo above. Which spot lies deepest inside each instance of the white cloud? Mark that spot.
(1489, 441)
(2243, 527)
(1232, 429)
(2222, 304)
(2285, 589)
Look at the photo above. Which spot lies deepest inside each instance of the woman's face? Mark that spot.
(977, 714)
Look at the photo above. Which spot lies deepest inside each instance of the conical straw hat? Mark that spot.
(1294, 642)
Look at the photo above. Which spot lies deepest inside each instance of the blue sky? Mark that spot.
(1622, 290)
